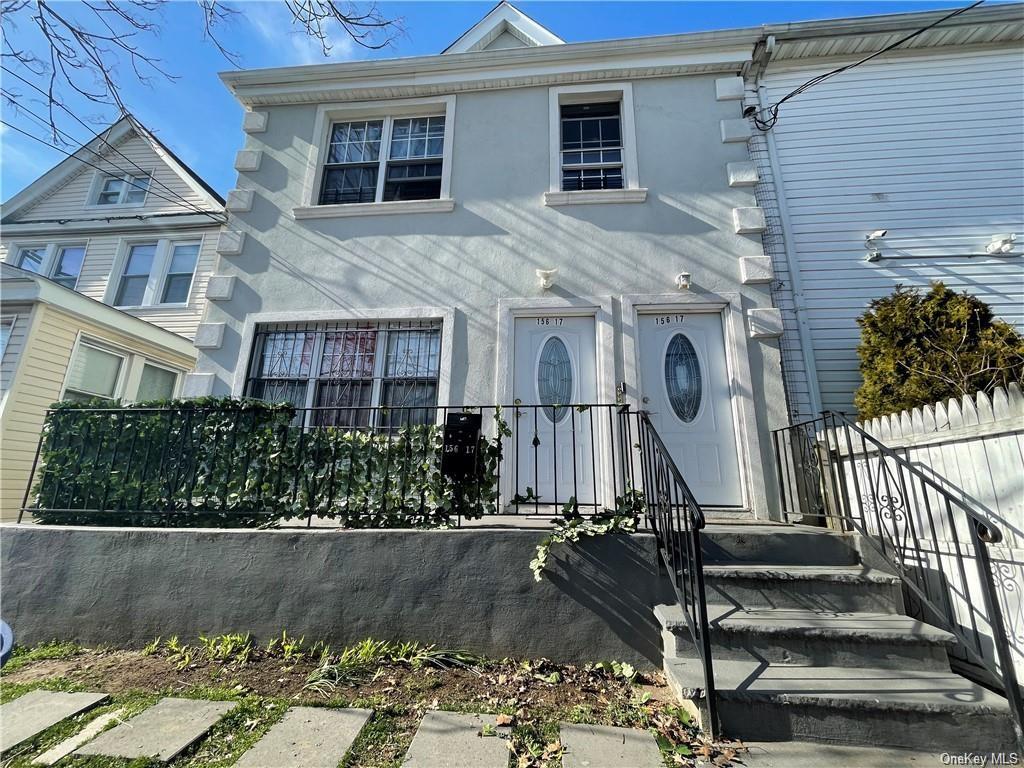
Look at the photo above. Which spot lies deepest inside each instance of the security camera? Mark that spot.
(878, 234)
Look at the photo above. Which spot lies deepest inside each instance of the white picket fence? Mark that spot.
(974, 448)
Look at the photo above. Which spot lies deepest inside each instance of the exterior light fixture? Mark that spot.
(1001, 243)
(871, 243)
(546, 277)
(683, 281)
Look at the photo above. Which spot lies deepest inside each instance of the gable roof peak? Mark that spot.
(507, 22)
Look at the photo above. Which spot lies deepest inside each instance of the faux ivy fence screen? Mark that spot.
(220, 462)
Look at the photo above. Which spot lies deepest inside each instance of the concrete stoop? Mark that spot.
(810, 645)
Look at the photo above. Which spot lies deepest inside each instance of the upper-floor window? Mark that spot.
(60, 263)
(591, 146)
(125, 189)
(384, 160)
(157, 272)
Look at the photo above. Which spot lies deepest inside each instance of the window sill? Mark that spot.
(595, 196)
(444, 205)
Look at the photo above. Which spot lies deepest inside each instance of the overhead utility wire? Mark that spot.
(773, 110)
(210, 214)
(100, 136)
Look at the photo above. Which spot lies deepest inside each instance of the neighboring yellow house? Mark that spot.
(105, 267)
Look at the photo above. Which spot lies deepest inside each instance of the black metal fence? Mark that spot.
(832, 472)
(247, 463)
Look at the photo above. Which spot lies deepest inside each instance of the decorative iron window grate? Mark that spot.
(344, 371)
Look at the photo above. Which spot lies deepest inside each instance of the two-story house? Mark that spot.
(515, 220)
(105, 263)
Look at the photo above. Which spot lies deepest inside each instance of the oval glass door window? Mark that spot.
(683, 378)
(554, 377)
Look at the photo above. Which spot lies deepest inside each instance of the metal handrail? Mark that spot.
(677, 520)
(823, 489)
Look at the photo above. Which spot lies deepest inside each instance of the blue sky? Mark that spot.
(197, 117)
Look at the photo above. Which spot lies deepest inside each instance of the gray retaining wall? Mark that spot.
(468, 589)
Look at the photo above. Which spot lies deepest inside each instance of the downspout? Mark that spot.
(763, 51)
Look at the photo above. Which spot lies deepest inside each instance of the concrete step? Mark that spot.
(812, 638)
(811, 587)
(779, 544)
(456, 740)
(602, 746)
(805, 754)
(162, 731)
(307, 737)
(910, 709)
(32, 713)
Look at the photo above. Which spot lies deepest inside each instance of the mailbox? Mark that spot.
(461, 442)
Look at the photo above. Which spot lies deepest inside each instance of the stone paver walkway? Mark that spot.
(56, 754)
(602, 746)
(455, 740)
(36, 711)
(162, 731)
(307, 737)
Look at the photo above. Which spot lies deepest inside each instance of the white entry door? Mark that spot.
(684, 384)
(555, 364)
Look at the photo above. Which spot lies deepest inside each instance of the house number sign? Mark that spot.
(461, 441)
(668, 319)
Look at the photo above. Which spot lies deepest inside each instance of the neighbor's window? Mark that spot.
(158, 272)
(407, 152)
(591, 146)
(345, 370)
(61, 263)
(6, 329)
(94, 372)
(127, 189)
(157, 383)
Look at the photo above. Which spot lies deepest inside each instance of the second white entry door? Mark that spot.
(555, 365)
(684, 385)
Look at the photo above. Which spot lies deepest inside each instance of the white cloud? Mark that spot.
(290, 43)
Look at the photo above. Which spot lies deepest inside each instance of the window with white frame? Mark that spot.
(124, 189)
(388, 159)
(95, 371)
(352, 374)
(103, 370)
(157, 272)
(591, 146)
(61, 263)
(6, 329)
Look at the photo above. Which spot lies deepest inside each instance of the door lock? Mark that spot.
(646, 399)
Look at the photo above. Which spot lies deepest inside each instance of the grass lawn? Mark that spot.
(398, 681)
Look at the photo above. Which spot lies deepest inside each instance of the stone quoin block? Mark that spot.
(254, 122)
(248, 160)
(209, 336)
(239, 200)
(197, 385)
(728, 88)
(220, 287)
(230, 242)
(764, 323)
(743, 174)
(756, 269)
(737, 130)
(748, 221)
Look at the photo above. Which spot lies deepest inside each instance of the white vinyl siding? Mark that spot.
(72, 200)
(928, 147)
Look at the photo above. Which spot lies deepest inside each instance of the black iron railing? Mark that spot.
(832, 472)
(677, 520)
(367, 466)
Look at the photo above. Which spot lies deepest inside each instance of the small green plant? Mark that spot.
(571, 528)
(919, 348)
(150, 649)
(619, 669)
(228, 648)
(54, 649)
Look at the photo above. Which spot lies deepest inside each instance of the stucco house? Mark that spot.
(514, 220)
(105, 263)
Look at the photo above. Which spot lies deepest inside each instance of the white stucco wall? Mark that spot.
(500, 231)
